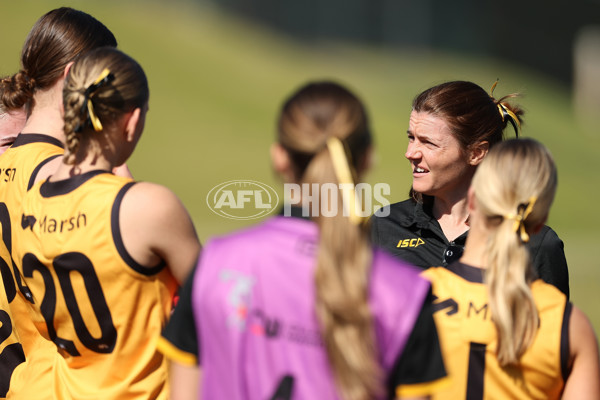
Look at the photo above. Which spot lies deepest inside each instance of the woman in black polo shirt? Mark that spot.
(452, 127)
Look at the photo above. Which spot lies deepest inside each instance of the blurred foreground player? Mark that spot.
(305, 308)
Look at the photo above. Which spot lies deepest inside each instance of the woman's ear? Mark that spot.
(131, 124)
(478, 152)
(67, 69)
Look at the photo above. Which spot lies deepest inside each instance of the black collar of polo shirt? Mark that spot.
(421, 215)
(422, 218)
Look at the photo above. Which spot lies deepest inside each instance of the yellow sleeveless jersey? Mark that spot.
(103, 310)
(11, 349)
(469, 341)
(18, 168)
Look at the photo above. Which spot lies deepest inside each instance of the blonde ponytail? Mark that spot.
(342, 279)
(511, 302)
(317, 112)
(507, 184)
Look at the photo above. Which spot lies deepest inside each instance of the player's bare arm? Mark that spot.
(156, 226)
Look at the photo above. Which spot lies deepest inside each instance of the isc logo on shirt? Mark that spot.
(414, 242)
(242, 199)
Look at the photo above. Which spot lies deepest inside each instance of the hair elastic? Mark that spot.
(523, 211)
(104, 78)
(505, 112)
(344, 176)
(512, 118)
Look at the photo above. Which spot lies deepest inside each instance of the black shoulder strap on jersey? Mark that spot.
(565, 351)
(38, 168)
(118, 240)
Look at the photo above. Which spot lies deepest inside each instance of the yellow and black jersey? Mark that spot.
(469, 340)
(101, 308)
(11, 349)
(410, 232)
(19, 166)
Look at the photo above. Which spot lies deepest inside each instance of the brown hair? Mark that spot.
(315, 113)
(56, 39)
(516, 174)
(126, 90)
(471, 113)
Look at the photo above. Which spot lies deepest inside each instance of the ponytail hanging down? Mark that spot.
(514, 187)
(342, 277)
(324, 128)
(341, 166)
(522, 213)
(512, 305)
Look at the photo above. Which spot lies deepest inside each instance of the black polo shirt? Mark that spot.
(411, 233)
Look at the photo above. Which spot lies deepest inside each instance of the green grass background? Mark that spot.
(217, 83)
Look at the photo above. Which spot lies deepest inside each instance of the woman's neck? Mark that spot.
(46, 116)
(452, 214)
(91, 163)
(475, 253)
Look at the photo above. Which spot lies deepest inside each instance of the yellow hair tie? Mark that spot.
(102, 79)
(505, 112)
(493, 87)
(342, 172)
(95, 120)
(523, 212)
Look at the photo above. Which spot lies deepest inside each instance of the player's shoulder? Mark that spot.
(383, 258)
(264, 232)
(149, 194)
(151, 204)
(142, 188)
(390, 272)
(442, 279)
(433, 273)
(547, 295)
(284, 236)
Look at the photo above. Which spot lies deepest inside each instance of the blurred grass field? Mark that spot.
(217, 83)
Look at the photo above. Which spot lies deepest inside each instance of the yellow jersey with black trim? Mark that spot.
(11, 349)
(101, 308)
(469, 340)
(19, 166)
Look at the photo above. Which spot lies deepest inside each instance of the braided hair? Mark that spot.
(101, 86)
